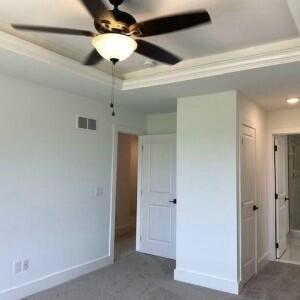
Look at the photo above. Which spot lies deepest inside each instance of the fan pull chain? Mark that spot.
(113, 69)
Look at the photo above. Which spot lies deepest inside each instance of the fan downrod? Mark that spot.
(116, 3)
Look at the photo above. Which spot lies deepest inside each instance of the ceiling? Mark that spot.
(267, 86)
(235, 24)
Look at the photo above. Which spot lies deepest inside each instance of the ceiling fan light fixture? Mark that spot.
(114, 46)
(293, 101)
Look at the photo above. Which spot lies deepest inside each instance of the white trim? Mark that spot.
(292, 262)
(263, 261)
(54, 279)
(271, 185)
(139, 195)
(207, 280)
(112, 221)
(38, 53)
(229, 62)
(294, 233)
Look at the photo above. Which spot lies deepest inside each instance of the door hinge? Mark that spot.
(140, 238)
(275, 148)
(141, 192)
(277, 245)
(142, 147)
(276, 196)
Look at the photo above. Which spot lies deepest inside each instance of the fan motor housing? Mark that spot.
(121, 23)
(116, 2)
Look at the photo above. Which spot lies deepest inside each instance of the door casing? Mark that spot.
(281, 144)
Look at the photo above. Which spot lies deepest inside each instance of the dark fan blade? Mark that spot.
(93, 58)
(53, 30)
(170, 23)
(96, 8)
(157, 53)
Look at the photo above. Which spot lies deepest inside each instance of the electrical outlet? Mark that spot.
(17, 267)
(25, 265)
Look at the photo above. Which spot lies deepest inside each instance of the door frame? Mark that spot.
(117, 128)
(249, 124)
(277, 201)
(271, 133)
(139, 194)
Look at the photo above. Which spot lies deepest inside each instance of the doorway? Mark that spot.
(287, 197)
(126, 195)
(143, 214)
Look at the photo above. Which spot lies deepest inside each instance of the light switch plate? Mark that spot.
(17, 267)
(25, 265)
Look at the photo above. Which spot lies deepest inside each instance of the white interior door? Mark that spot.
(158, 196)
(281, 194)
(248, 204)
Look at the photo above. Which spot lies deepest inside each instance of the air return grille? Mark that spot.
(85, 123)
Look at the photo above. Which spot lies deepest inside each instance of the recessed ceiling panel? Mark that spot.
(235, 24)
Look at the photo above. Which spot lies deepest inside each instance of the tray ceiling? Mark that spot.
(236, 24)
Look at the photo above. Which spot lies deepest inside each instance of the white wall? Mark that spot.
(207, 170)
(161, 123)
(49, 212)
(284, 120)
(252, 115)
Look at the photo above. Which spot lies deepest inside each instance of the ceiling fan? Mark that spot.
(115, 28)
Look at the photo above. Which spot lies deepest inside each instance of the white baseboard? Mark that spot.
(208, 281)
(263, 261)
(54, 279)
(294, 233)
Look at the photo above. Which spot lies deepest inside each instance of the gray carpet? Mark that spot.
(144, 277)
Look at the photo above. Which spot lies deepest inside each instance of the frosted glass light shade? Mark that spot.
(114, 45)
(293, 100)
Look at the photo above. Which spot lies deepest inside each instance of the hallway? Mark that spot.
(125, 245)
(144, 277)
(292, 253)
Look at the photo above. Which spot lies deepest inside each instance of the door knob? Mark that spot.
(174, 201)
(286, 198)
(255, 207)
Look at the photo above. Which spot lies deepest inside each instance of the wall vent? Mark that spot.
(85, 123)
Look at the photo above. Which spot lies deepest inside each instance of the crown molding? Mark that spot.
(229, 62)
(234, 61)
(35, 52)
